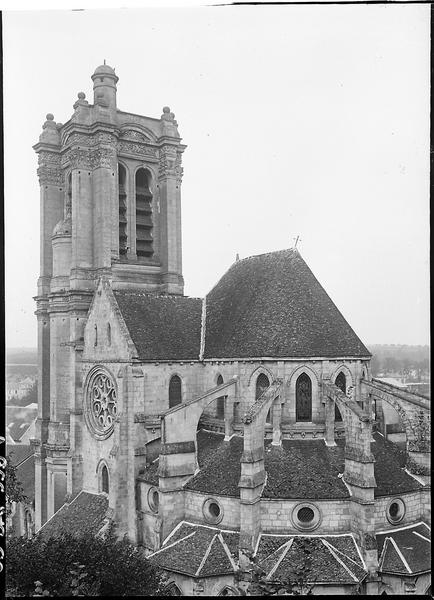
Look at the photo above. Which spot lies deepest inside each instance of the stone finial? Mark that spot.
(81, 100)
(169, 123)
(237, 257)
(50, 131)
(167, 115)
(49, 123)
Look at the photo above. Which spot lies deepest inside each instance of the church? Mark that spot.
(216, 432)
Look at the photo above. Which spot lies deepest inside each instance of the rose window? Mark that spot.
(101, 404)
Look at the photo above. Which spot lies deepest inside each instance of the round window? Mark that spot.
(153, 499)
(212, 511)
(101, 404)
(306, 516)
(395, 511)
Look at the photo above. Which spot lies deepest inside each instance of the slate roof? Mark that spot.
(297, 469)
(198, 551)
(84, 514)
(271, 305)
(162, 327)
(405, 551)
(331, 559)
(201, 551)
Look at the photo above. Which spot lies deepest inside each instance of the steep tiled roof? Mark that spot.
(162, 327)
(195, 550)
(85, 514)
(272, 305)
(405, 551)
(296, 469)
(22, 457)
(331, 559)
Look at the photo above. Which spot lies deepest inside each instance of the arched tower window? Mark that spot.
(104, 480)
(122, 176)
(96, 336)
(144, 224)
(175, 391)
(303, 398)
(261, 385)
(341, 383)
(109, 334)
(220, 401)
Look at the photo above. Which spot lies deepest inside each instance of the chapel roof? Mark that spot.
(85, 513)
(405, 551)
(271, 305)
(203, 551)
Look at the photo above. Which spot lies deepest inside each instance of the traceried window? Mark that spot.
(175, 391)
(262, 383)
(220, 401)
(303, 398)
(341, 383)
(101, 404)
(104, 480)
(144, 223)
(122, 176)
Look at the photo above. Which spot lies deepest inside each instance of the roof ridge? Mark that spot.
(205, 556)
(288, 545)
(228, 552)
(401, 556)
(343, 554)
(173, 544)
(336, 557)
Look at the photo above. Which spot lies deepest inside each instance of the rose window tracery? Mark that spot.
(101, 404)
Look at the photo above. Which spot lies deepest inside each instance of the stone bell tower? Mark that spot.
(110, 194)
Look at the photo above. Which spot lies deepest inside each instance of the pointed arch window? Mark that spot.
(303, 398)
(104, 480)
(262, 383)
(175, 391)
(220, 401)
(68, 198)
(341, 383)
(96, 336)
(109, 334)
(144, 221)
(122, 177)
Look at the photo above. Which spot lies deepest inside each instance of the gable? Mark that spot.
(105, 335)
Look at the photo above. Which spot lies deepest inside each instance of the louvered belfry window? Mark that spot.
(175, 395)
(341, 383)
(144, 223)
(261, 385)
(122, 211)
(303, 402)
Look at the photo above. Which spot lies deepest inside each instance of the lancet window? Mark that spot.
(341, 383)
(303, 398)
(175, 391)
(122, 176)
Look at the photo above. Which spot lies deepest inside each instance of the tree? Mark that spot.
(299, 577)
(80, 565)
(14, 488)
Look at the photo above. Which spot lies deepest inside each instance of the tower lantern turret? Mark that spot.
(104, 86)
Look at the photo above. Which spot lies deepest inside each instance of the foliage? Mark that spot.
(412, 362)
(80, 566)
(298, 579)
(30, 398)
(14, 488)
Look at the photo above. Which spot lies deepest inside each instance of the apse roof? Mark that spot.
(296, 469)
(271, 305)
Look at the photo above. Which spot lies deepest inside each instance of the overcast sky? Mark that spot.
(299, 120)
